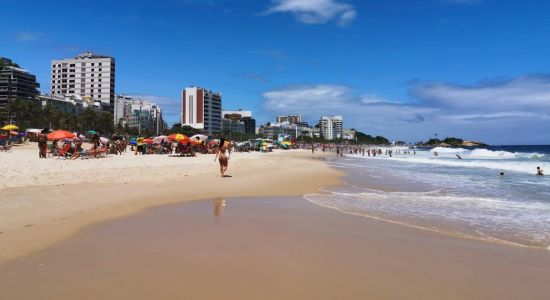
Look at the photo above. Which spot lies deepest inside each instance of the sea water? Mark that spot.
(464, 197)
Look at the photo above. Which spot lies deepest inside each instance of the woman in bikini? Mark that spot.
(222, 157)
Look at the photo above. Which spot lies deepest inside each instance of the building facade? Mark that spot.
(202, 109)
(331, 127)
(138, 114)
(15, 83)
(244, 116)
(88, 75)
(233, 126)
(292, 119)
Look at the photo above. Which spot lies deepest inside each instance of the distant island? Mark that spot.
(451, 142)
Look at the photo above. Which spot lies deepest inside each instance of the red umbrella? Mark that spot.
(195, 142)
(60, 135)
(13, 132)
(148, 141)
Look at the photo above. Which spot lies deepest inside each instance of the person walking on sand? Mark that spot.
(222, 157)
(43, 143)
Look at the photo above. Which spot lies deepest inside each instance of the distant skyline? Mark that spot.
(476, 69)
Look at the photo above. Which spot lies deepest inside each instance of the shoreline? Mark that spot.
(33, 218)
(294, 250)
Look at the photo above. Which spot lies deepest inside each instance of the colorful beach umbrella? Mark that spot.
(14, 132)
(32, 130)
(60, 135)
(178, 137)
(103, 140)
(10, 127)
(148, 141)
(92, 132)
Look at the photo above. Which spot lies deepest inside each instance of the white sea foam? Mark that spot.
(492, 219)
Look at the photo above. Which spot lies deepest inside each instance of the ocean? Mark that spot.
(462, 197)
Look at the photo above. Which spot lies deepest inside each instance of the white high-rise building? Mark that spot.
(88, 75)
(201, 109)
(331, 127)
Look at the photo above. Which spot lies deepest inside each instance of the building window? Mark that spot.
(99, 96)
(83, 70)
(72, 65)
(82, 91)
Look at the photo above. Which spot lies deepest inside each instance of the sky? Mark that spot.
(407, 70)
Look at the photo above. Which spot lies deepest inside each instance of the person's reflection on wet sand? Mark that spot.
(219, 204)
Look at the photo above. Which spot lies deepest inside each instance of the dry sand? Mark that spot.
(44, 201)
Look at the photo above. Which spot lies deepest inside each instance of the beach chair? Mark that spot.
(62, 153)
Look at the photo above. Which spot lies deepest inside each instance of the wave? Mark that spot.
(481, 218)
(481, 153)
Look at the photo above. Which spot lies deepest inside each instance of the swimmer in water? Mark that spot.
(539, 172)
(458, 156)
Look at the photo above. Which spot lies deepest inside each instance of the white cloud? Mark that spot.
(522, 94)
(26, 36)
(514, 111)
(315, 11)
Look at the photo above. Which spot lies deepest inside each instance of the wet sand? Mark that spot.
(270, 248)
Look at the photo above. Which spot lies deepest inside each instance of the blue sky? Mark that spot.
(476, 69)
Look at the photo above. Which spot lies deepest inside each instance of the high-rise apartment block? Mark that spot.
(15, 83)
(331, 127)
(201, 109)
(88, 75)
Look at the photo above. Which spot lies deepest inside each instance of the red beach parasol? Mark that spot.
(148, 141)
(60, 135)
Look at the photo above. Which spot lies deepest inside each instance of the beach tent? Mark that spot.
(10, 127)
(60, 135)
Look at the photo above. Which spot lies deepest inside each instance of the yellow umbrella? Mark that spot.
(10, 127)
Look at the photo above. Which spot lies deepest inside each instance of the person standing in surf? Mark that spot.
(222, 157)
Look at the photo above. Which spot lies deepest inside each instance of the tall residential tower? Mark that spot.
(201, 109)
(88, 75)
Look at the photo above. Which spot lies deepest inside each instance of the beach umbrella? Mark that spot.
(14, 132)
(34, 130)
(178, 137)
(103, 140)
(200, 137)
(81, 136)
(10, 127)
(161, 138)
(195, 142)
(60, 134)
(92, 132)
(3, 136)
(213, 142)
(148, 141)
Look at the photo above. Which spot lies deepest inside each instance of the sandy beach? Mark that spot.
(44, 201)
(126, 227)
